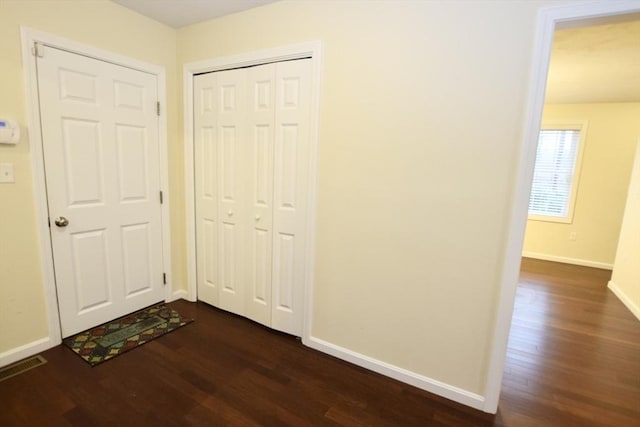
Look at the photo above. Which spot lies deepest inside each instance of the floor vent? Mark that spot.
(21, 366)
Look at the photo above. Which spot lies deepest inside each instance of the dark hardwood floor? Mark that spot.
(574, 351)
(573, 360)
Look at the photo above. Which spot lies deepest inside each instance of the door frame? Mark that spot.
(548, 18)
(29, 38)
(312, 50)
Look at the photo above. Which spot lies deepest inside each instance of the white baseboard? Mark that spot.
(24, 351)
(176, 295)
(633, 308)
(433, 386)
(565, 260)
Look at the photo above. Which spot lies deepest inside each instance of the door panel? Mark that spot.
(91, 268)
(132, 151)
(291, 172)
(209, 252)
(136, 254)
(229, 165)
(78, 86)
(283, 292)
(206, 187)
(231, 187)
(261, 266)
(84, 177)
(287, 176)
(228, 272)
(129, 95)
(100, 143)
(260, 120)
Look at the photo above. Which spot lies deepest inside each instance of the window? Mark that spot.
(557, 168)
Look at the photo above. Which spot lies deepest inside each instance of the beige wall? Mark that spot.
(105, 25)
(625, 279)
(613, 130)
(421, 107)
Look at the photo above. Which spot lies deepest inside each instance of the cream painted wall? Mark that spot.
(421, 103)
(625, 280)
(613, 130)
(105, 25)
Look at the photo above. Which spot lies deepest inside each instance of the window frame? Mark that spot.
(581, 127)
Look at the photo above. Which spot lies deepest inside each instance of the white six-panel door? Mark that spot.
(101, 155)
(252, 164)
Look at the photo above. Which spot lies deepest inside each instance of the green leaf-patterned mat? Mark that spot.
(107, 341)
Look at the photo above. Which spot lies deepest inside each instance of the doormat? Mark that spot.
(111, 339)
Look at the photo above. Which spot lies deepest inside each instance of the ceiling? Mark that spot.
(598, 63)
(179, 13)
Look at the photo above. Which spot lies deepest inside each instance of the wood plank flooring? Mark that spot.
(573, 360)
(574, 351)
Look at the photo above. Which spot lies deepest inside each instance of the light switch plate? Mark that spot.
(6, 173)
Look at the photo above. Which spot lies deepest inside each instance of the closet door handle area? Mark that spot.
(257, 217)
(230, 213)
(61, 222)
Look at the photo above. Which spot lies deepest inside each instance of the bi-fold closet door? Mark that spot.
(252, 166)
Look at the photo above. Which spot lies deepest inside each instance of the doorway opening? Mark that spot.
(550, 19)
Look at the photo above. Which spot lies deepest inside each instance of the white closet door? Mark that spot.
(232, 176)
(260, 136)
(291, 172)
(206, 186)
(100, 141)
(252, 167)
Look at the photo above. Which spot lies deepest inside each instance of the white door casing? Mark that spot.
(101, 153)
(262, 169)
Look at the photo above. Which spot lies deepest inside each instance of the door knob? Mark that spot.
(61, 221)
(257, 217)
(230, 213)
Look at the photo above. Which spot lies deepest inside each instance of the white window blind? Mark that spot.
(554, 173)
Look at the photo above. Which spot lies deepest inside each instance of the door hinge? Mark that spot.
(164, 278)
(158, 108)
(161, 198)
(37, 50)
(49, 221)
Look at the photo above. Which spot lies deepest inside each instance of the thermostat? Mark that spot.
(9, 131)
